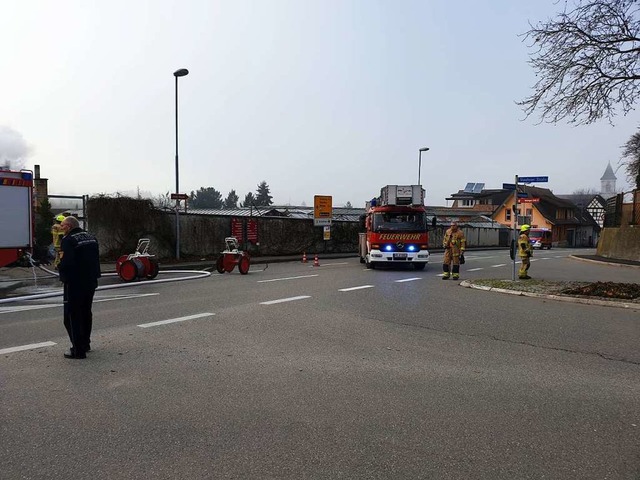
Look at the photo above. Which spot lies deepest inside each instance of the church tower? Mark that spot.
(608, 182)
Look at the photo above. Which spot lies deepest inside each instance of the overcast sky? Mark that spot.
(316, 97)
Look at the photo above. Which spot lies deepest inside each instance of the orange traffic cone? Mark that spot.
(304, 257)
(316, 263)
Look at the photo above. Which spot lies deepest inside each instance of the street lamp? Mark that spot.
(178, 73)
(425, 149)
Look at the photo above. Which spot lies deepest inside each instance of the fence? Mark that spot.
(620, 213)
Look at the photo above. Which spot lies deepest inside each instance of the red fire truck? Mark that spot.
(396, 228)
(16, 215)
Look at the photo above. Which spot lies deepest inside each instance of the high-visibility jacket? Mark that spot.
(455, 241)
(525, 249)
(57, 233)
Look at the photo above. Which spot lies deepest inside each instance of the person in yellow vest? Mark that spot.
(57, 232)
(525, 250)
(454, 245)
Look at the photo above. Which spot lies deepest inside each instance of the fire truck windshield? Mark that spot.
(399, 221)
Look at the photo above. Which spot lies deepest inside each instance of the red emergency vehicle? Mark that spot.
(396, 228)
(16, 215)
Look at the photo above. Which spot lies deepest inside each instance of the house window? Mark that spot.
(468, 203)
(507, 215)
(529, 212)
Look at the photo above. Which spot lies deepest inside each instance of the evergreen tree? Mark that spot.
(232, 200)
(263, 199)
(207, 197)
(249, 200)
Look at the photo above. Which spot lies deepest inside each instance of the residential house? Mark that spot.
(539, 207)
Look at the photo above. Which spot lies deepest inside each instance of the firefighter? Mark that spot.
(57, 233)
(525, 250)
(454, 244)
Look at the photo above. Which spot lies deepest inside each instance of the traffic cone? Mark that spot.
(304, 257)
(316, 263)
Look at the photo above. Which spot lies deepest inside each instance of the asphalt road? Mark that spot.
(336, 371)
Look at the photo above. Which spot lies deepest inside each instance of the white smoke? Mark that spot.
(13, 149)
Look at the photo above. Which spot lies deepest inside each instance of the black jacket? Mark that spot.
(80, 263)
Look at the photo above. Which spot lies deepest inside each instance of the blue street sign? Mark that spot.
(522, 195)
(533, 179)
(508, 186)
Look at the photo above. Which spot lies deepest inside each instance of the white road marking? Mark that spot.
(474, 269)
(329, 264)
(500, 265)
(24, 308)
(286, 278)
(174, 320)
(354, 288)
(408, 279)
(545, 258)
(125, 297)
(281, 300)
(26, 347)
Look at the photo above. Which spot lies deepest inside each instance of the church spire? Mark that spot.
(608, 182)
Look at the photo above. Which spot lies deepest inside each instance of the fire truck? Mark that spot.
(16, 215)
(395, 227)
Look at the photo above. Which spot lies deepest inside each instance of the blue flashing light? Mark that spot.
(411, 248)
(388, 248)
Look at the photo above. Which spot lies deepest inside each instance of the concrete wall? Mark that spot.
(203, 236)
(622, 243)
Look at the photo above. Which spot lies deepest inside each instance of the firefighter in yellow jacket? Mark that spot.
(57, 233)
(525, 250)
(454, 244)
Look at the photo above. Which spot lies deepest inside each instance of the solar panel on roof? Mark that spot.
(469, 187)
(478, 188)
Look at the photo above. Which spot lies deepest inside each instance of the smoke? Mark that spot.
(13, 149)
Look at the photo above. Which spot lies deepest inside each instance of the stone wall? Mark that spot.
(622, 243)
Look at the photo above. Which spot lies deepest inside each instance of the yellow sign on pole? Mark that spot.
(322, 210)
(327, 232)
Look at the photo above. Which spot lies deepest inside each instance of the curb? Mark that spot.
(613, 264)
(561, 298)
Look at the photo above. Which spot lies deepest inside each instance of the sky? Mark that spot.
(315, 97)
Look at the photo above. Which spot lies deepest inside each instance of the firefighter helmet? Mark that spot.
(524, 228)
(60, 218)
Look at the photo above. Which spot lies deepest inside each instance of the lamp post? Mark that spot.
(425, 149)
(178, 73)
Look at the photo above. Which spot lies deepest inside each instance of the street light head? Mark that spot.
(424, 149)
(181, 73)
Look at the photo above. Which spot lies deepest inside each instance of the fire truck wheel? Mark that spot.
(419, 266)
(128, 271)
(154, 269)
(220, 264)
(243, 265)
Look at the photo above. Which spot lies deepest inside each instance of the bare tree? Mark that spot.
(631, 152)
(587, 62)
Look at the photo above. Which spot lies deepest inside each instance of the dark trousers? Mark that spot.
(78, 318)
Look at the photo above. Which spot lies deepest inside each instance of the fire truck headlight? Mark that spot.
(388, 248)
(411, 248)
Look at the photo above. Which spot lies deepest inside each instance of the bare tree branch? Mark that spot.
(586, 61)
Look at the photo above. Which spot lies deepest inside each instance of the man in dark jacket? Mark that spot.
(79, 270)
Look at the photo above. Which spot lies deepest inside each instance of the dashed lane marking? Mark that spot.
(474, 269)
(174, 320)
(286, 278)
(408, 280)
(350, 289)
(282, 300)
(25, 308)
(26, 347)
(499, 265)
